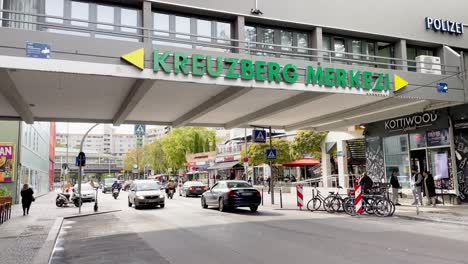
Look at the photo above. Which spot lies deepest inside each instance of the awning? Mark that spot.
(224, 165)
(302, 163)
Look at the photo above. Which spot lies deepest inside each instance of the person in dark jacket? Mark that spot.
(429, 188)
(366, 183)
(395, 187)
(26, 198)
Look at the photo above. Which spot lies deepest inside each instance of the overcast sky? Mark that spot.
(81, 128)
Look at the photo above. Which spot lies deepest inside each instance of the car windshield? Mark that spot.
(148, 186)
(238, 185)
(195, 184)
(84, 187)
(109, 181)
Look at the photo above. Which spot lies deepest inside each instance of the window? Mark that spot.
(54, 8)
(284, 41)
(205, 32)
(414, 51)
(79, 10)
(105, 14)
(396, 155)
(128, 17)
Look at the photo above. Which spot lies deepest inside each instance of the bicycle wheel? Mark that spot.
(368, 205)
(314, 204)
(328, 204)
(336, 204)
(383, 207)
(348, 206)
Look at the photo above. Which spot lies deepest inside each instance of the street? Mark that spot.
(183, 232)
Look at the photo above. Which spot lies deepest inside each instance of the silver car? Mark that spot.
(145, 193)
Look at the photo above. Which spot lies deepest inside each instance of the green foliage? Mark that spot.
(185, 140)
(307, 142)
(4, 192)
(256, 152)
(157, 157)
(138, 156)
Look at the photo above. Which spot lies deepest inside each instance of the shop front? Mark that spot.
(422, 141)
(197, 166)
(227, 168)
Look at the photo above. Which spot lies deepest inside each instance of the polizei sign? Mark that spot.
(411, 122)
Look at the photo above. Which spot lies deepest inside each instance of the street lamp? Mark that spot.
(80, 167)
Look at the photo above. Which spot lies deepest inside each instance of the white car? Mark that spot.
(145, 192)
(88, 193)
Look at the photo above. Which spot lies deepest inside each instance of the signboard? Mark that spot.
(37, 50)
(443, 25)
(339, 153)
(259, 136)
(80, 159)
(264, 71)
(7, 162)
(442, 87)
(411, 122)
(139, 130)
(270, 154)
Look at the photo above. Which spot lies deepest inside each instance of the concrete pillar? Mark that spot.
(400, 53)
(326, 165)
(239, 34)
(316, 42)
(147, 19)
(343, 177)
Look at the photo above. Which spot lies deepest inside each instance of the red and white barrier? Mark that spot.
(300, 196)
(358, 198)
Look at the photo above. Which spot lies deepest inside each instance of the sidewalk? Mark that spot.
(451, 214)
(22, 237)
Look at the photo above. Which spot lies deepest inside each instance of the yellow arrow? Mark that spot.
(399, 82)
(136, 58)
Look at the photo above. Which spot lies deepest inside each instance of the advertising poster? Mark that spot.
(7, 162)
(438, 138)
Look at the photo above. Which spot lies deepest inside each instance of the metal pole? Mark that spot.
(67, 170)
(109, 165)
(79, 168)
(281, 198)
(262, 196)
(271, 175)
(245, 163)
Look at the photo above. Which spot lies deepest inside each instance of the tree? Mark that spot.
(157, 157)
(256, 152)
(136, 156)
(307, 142)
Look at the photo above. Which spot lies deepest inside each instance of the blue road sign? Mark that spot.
(140, 130)
(37, 50)
(442, 87)
(259, 136)
(270, 154)
(80, 159)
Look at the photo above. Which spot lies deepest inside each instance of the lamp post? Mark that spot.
(80, 167)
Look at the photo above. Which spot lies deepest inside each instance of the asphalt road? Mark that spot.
(184, 233)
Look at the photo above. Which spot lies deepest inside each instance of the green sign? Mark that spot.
(245, 69)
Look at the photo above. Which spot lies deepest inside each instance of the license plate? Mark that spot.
(247, 194)
(198, 189)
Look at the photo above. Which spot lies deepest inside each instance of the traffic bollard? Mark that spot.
(281, 198)
(262, 196)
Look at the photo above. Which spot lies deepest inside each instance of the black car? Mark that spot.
(192, 188)
(231, 194)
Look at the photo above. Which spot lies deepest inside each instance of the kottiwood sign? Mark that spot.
(414, 121)
(263, 71)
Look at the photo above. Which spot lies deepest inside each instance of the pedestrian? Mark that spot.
(268, 182)
(395, 187)
(416, 186)
(26, 198)
(366, 183)
(250, 180)
(429, 188)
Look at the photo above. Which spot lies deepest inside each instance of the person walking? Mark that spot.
(366, 183)
(416, 186)
(429, 188)
(26, 198)
(395, 187)
(268, 180)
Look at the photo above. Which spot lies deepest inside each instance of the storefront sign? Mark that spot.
(7, 162)
(443, 25)
(411, 122)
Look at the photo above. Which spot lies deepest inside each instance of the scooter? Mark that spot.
(64, 199)
(115, 193)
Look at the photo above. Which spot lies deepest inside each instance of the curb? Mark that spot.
(422, 219)
(89, 214)
(46, 251)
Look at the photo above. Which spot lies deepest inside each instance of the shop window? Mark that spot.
(397, 158)
(282, 42)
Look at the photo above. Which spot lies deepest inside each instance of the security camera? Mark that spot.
(255, 11)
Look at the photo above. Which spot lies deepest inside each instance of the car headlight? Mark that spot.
(161, 196)
(140, 197)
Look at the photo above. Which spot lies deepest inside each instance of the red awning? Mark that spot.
(302, 163)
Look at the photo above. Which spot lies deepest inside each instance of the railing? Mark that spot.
(215, 43)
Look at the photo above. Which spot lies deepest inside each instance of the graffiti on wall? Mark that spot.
(375, 159)
(461, 154)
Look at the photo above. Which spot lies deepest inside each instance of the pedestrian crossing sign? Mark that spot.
(270, 154)
(259, 136)
(140, 130)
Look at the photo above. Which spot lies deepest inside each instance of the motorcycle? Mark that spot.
(170, 193)
(64, 199)
(115, 193)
